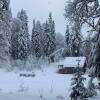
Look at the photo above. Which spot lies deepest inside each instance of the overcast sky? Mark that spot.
(39, 10)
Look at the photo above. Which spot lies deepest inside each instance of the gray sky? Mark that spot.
(39, 10)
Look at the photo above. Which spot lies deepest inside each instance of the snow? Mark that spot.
(46, 85)
(72, 61)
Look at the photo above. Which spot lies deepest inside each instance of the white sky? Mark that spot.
(39, 10)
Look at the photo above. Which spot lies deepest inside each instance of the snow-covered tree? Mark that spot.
(50, 36)
(67, 42)
(47, 44)
(88, 12)
(32, 39)
(51, 25)
(36, 39)
(79, 92)
(42, 40)
(5, 31)
(15, 37)
(24, 35)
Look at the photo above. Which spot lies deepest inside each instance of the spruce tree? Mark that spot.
(15, 37)
(79, 92)
(47, 49)
(42, 40)
(50, 36)
(36, 39)
(33, 38)
(51, 25)
(67, 42)
(5, 32)
(24, 35)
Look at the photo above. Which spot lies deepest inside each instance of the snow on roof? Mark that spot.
(72, 61)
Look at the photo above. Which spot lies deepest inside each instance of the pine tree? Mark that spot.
(33, 38)
(47, 40)
(42, 39)
(36, 39)
(5, 31)
(24, 35)
(79, 92)
(51, 25)
(50, 36)
(15, 37)
(67, 42)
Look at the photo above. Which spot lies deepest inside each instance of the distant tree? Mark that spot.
(33, 38)
(51, 25)
(15, 38)
(36, 39)
(67, 42)
(47, 38)
(60, 41)
(24, 35)
(50, 36)
(43, 39)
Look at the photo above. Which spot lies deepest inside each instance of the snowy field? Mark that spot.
(46, 85)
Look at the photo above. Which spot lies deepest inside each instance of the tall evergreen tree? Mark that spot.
(50, 36)
(15, 38)
(5, 31)
(67, 42)
(51, 26)
(33, 38)
(47, 44)
(36, 39)
(42, 39)
(24, 35)
(79, 92)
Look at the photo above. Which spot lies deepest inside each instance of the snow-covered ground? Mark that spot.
(46, 85)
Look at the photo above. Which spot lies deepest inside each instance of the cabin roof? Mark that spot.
(72, 61)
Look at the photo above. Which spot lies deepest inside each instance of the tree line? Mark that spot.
(17, 42)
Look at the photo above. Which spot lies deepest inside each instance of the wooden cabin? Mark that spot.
(70, 64)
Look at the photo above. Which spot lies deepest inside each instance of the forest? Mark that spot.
(43, 48)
